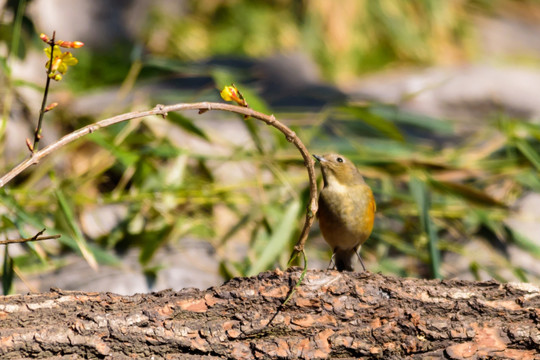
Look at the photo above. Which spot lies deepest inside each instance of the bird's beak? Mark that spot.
(318, 158)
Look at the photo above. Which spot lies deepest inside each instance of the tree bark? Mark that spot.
(331, 315)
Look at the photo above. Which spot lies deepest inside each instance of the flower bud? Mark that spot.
(231, 93)
(50, 106)
(55, 77)
(44, 37)
(29, 144)
(69, 44)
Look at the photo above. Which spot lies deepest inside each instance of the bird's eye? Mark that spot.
(339, 160)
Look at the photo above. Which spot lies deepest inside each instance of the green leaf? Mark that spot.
(164, 150)
(523, 242)
(393, 113)
(223, 78)
(187, 124)
(377, 122)
(466, 192)
(278, 240)
(7, 273)
(495, 226)
(242, 223)
(420, 194)
(528, 151)
(255, 102)
(76, 231)
(17, 44)
(126, 157)
(397, 242)
(254, 132)
(31, 85)
(529, 178)
(169, 65)
(152, 241)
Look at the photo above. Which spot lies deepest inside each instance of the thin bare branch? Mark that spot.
(162, 110)
(33, 238)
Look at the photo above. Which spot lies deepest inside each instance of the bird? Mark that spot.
(346, 209)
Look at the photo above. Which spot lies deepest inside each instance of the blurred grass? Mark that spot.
(421, 197)
(169, 190)
(355, 37)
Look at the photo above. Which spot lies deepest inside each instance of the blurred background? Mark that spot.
(435, 101)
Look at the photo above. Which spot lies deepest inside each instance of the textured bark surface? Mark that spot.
(332, 315)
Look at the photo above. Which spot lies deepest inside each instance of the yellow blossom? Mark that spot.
(61, 62)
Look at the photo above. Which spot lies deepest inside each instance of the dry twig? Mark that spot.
(36, 237)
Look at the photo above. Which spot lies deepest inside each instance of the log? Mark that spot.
(331, 315)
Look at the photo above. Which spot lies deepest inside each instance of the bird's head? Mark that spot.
(338, 170)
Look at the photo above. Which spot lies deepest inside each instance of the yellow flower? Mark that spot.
(61, 62)
(231, 93)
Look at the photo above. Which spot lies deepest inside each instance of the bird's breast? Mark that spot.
(346, 214)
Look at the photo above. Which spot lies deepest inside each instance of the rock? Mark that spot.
(472, 92)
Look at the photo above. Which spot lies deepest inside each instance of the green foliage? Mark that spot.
(355, 37)
(68, 221)
(97, 68)
(269, 246)
(170, 191)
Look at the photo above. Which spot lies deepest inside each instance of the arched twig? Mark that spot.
(162, 110)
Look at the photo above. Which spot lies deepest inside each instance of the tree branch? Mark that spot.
(332, 315)
(162, 110)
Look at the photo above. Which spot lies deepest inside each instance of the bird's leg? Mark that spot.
(359, 257)
(332, 264)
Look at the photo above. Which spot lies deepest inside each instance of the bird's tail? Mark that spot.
(343, 258)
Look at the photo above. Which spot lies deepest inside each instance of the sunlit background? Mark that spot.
(437, 102)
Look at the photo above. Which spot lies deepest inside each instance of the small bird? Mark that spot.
(346, 209)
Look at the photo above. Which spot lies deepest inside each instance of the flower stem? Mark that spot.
(37, 134)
